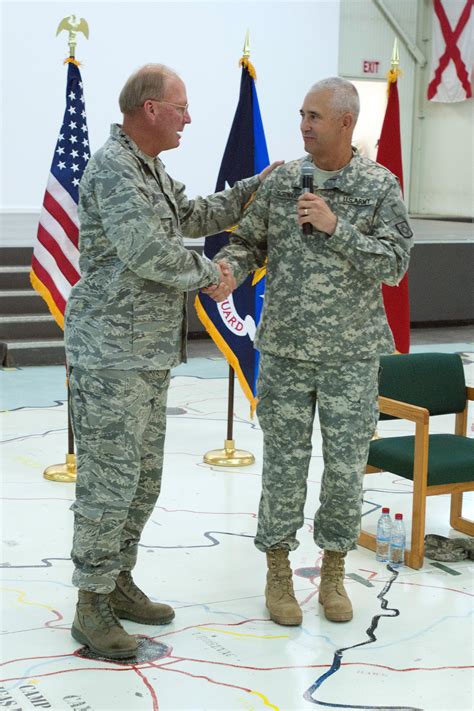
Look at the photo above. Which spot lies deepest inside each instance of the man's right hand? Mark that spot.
(220, 292)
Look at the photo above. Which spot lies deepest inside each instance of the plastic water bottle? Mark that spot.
(384, 536)
(397, 542)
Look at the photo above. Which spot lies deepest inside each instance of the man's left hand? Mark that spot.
(313, 209)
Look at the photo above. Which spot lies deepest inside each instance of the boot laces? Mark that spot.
(107, 614)
(289, 588)
(280, 573)
(333, 574)
(280, 565)
(128, 585)
(333, 565)
(335, 584)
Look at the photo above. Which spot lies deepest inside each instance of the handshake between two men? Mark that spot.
(311, 209)
(220, 292)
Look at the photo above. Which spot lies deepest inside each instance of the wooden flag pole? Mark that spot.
(229, 456)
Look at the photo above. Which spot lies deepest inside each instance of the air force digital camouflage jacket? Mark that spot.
(128, 311)
(323, 297)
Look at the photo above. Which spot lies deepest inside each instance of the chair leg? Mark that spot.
(416, 553)
(414, 559)
(456, 520)
(456, 508)
(414, 556)
(367, 540)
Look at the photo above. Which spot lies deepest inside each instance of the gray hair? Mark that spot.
(148, 82)
(344, 99)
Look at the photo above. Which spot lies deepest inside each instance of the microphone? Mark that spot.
(307, 175)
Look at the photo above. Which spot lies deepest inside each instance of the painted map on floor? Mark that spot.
(409, 645)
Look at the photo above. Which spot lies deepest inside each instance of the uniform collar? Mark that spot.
(124, 139)
(345, 181)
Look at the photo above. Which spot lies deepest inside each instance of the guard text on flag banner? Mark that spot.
(232, 323)
(55, 262)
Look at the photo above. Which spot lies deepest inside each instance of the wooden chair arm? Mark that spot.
(470, 393)
(404, 410)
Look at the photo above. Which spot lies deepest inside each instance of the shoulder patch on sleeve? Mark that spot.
(404, 228)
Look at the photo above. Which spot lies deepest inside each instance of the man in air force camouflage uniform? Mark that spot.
(322, 330)
(125, 329)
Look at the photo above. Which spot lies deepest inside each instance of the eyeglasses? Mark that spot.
(180, 108)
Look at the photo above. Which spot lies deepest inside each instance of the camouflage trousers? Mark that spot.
(288, 390)
(119, 422)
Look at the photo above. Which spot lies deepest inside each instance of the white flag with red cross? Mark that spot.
(452, 57)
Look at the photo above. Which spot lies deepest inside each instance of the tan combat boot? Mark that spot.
(333, 597)
(279, 594)
(96, 626)
(130, 603)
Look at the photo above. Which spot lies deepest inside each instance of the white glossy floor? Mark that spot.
(409, 646)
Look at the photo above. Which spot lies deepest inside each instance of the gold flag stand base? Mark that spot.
(229, 456)
(65, 473)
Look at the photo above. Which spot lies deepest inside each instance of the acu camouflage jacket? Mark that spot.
(323, 297)
(128, 311)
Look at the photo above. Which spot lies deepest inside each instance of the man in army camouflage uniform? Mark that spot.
(125, 329)
(322, 330)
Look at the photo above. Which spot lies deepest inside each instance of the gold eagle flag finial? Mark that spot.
(73, 26)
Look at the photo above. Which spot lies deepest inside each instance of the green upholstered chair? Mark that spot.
(415, 387)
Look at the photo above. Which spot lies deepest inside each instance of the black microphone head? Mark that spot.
(307, 177)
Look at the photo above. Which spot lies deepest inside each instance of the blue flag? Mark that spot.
(232, 323)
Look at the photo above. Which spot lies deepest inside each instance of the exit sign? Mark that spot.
(370, 66)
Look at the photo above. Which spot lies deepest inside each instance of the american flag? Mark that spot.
(55, 262)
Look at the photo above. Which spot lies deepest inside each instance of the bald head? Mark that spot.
(155, 108)
(148, 82)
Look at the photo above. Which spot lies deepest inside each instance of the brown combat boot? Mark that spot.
(96, 626)
(130, 603)
(279, 594)
(333, 597)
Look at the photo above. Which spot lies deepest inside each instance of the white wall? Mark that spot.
(443, 142)
(365, 35)
(437, 139)
(293, 44)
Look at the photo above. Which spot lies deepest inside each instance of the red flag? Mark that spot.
(389, 153)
